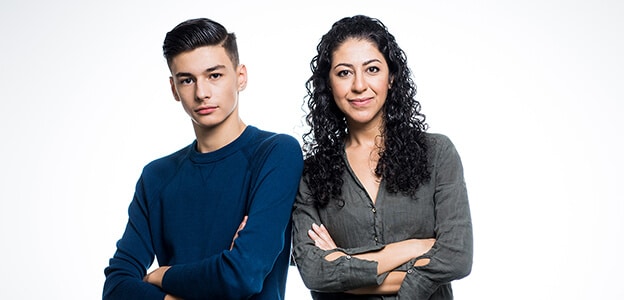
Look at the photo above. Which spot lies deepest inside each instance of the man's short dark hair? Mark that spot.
(195, 33)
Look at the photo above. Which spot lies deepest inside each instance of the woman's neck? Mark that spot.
(369, 135)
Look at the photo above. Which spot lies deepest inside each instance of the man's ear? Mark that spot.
(173, 89)
(242, 77)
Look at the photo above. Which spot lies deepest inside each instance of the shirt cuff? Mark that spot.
(416, 286)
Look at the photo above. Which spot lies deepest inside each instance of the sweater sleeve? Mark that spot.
(318, 274)
(240, 272)
(134, 255)
(451, 255)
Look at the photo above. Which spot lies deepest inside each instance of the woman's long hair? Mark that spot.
(403, 156)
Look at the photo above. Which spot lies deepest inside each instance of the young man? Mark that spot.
(215, 214)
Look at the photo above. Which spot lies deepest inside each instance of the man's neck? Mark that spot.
(214, 138)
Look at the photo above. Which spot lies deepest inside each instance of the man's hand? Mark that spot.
(240, 227)
(155, 277)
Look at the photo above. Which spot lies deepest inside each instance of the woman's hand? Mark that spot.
(324, 241)
(321, 237)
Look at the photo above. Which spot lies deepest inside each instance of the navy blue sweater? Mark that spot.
(186, 210)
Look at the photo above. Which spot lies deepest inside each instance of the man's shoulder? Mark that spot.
(279, 148)
(168, 162)
(272, 139)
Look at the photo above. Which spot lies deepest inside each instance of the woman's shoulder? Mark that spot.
(439, 145)
(435, 140)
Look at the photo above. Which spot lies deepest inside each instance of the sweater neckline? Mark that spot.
(225, 151)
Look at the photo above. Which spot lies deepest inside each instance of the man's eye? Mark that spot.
(215, 75)
(186, 81)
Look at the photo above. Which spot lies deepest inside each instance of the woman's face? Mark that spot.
(359, 78)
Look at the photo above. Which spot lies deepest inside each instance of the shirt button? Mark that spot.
(410, 271)
(373, 210)
(348, 257)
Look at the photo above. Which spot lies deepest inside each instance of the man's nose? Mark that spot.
(202, 90)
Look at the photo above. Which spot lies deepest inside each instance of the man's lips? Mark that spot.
(204, 110)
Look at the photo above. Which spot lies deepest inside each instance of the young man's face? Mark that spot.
(206, 82)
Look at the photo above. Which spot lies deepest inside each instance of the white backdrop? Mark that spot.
(529, 91)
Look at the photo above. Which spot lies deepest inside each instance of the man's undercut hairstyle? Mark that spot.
(195, 33)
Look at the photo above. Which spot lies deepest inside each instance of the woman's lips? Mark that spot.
(360, 101)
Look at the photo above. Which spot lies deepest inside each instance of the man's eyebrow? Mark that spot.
(209, 70)
(183, 74)
(217, 67)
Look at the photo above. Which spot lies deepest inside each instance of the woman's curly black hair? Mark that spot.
(403, 157)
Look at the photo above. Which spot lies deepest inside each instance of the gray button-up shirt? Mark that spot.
(439, 210)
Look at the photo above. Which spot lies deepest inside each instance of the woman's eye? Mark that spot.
(373, 69)
(343, 73)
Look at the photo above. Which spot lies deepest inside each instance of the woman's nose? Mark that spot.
(359, 83)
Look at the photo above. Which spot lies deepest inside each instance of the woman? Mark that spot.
(382, 210)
